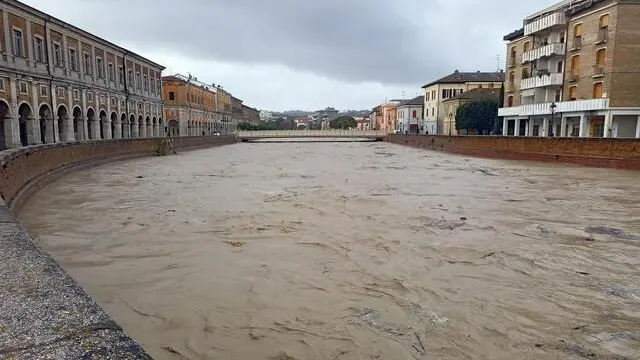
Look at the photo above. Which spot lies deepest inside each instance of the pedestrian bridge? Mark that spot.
(374, 135)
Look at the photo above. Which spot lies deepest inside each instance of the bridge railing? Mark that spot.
(310, 133)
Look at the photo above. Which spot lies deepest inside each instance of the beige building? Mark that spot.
(59, 83)
(450, 106)
(574, 71)
(450, 86)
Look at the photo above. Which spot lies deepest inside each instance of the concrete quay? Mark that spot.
(44, 313)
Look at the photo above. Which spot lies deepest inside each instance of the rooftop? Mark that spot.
(418, 100)
(477, 94)
(464, 77)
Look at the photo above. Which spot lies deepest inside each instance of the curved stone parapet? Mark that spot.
(44, 313)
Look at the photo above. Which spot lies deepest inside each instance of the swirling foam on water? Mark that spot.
(353, 251)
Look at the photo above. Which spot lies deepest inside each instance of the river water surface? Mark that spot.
(353, 251)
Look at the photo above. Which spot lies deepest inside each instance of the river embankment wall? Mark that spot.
(594, 152)
(44, 313)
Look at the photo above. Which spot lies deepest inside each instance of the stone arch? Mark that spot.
(142, 131)
(91, 126)
(77, 123)
(173, 128)
(5, 115)
(63, 115)
(46, 124)
(114, 120)
(102, 122)
(154, 125)
(149, 127)
(133, 130)
(24, 117)
(124, 128)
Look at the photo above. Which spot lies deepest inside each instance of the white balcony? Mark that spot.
(561, 107)
(545, 51)
(554, 79)
(545, 22)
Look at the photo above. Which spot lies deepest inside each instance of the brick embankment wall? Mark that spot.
(23, 171)
(44, 313)
(595, 152)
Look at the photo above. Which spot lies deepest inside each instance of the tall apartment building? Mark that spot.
(436, 120)
(573, 70)
(59, 83)
(192, 107)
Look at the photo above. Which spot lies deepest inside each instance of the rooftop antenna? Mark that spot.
(498, 59)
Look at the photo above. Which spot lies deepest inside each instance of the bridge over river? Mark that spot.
(374, 135)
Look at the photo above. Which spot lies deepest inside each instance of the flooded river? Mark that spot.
(353, 251)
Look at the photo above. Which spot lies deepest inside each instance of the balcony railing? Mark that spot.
(545, 51)
(576, 44)
(545, 22)
(561, 107)
(553, 79)
(598, 70)
(603, 35)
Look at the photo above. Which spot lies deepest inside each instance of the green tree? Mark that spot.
(478, 115)
(343, 122)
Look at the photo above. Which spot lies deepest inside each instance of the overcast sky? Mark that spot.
(307, 54)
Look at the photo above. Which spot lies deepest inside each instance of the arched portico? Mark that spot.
(46, 128)
(133, 128)
(103, 126)
(91, 124)
(25, 120)
(62, 115)
(173, 128)
(78, 122)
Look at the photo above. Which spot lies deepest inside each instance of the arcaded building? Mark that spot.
(59, 83)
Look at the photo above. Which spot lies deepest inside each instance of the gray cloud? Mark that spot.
(397, 43)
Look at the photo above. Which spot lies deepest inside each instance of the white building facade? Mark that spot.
(59, 83)
(450, 86)
(409, 116)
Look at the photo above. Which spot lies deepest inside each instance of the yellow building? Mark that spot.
(449, 108)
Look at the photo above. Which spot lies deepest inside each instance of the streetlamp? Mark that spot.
(553, 107)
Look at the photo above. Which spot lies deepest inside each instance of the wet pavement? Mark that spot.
(353, 251)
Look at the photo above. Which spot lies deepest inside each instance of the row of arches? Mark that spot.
(24, 128)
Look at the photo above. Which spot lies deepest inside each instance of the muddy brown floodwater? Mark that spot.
(353, 251)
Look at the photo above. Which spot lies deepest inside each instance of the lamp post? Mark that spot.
(553, 107)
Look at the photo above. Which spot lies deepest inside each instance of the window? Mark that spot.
(153, 85)
(525, 73)
(130, 77)
(433, 111)
(89, 96)
(512, 77)
(577, 36)
(558, 96)
(61, 91)
(512, 58)
(573, 93)
(38, 48)
(527, 46)
(120, 74)
(172, 95)
(44, 91)
(604, 21)
(1, 84)
(76, 94)
(88, 69)
(597, 90)
(600, 56)
(138, 80)
(57, 55)
(146, 83)
(23, 88)
(111, 74)
(17, 43)
(560, 66)
(100, 68)
(575, 65)
(415, 114)
(510, 101)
